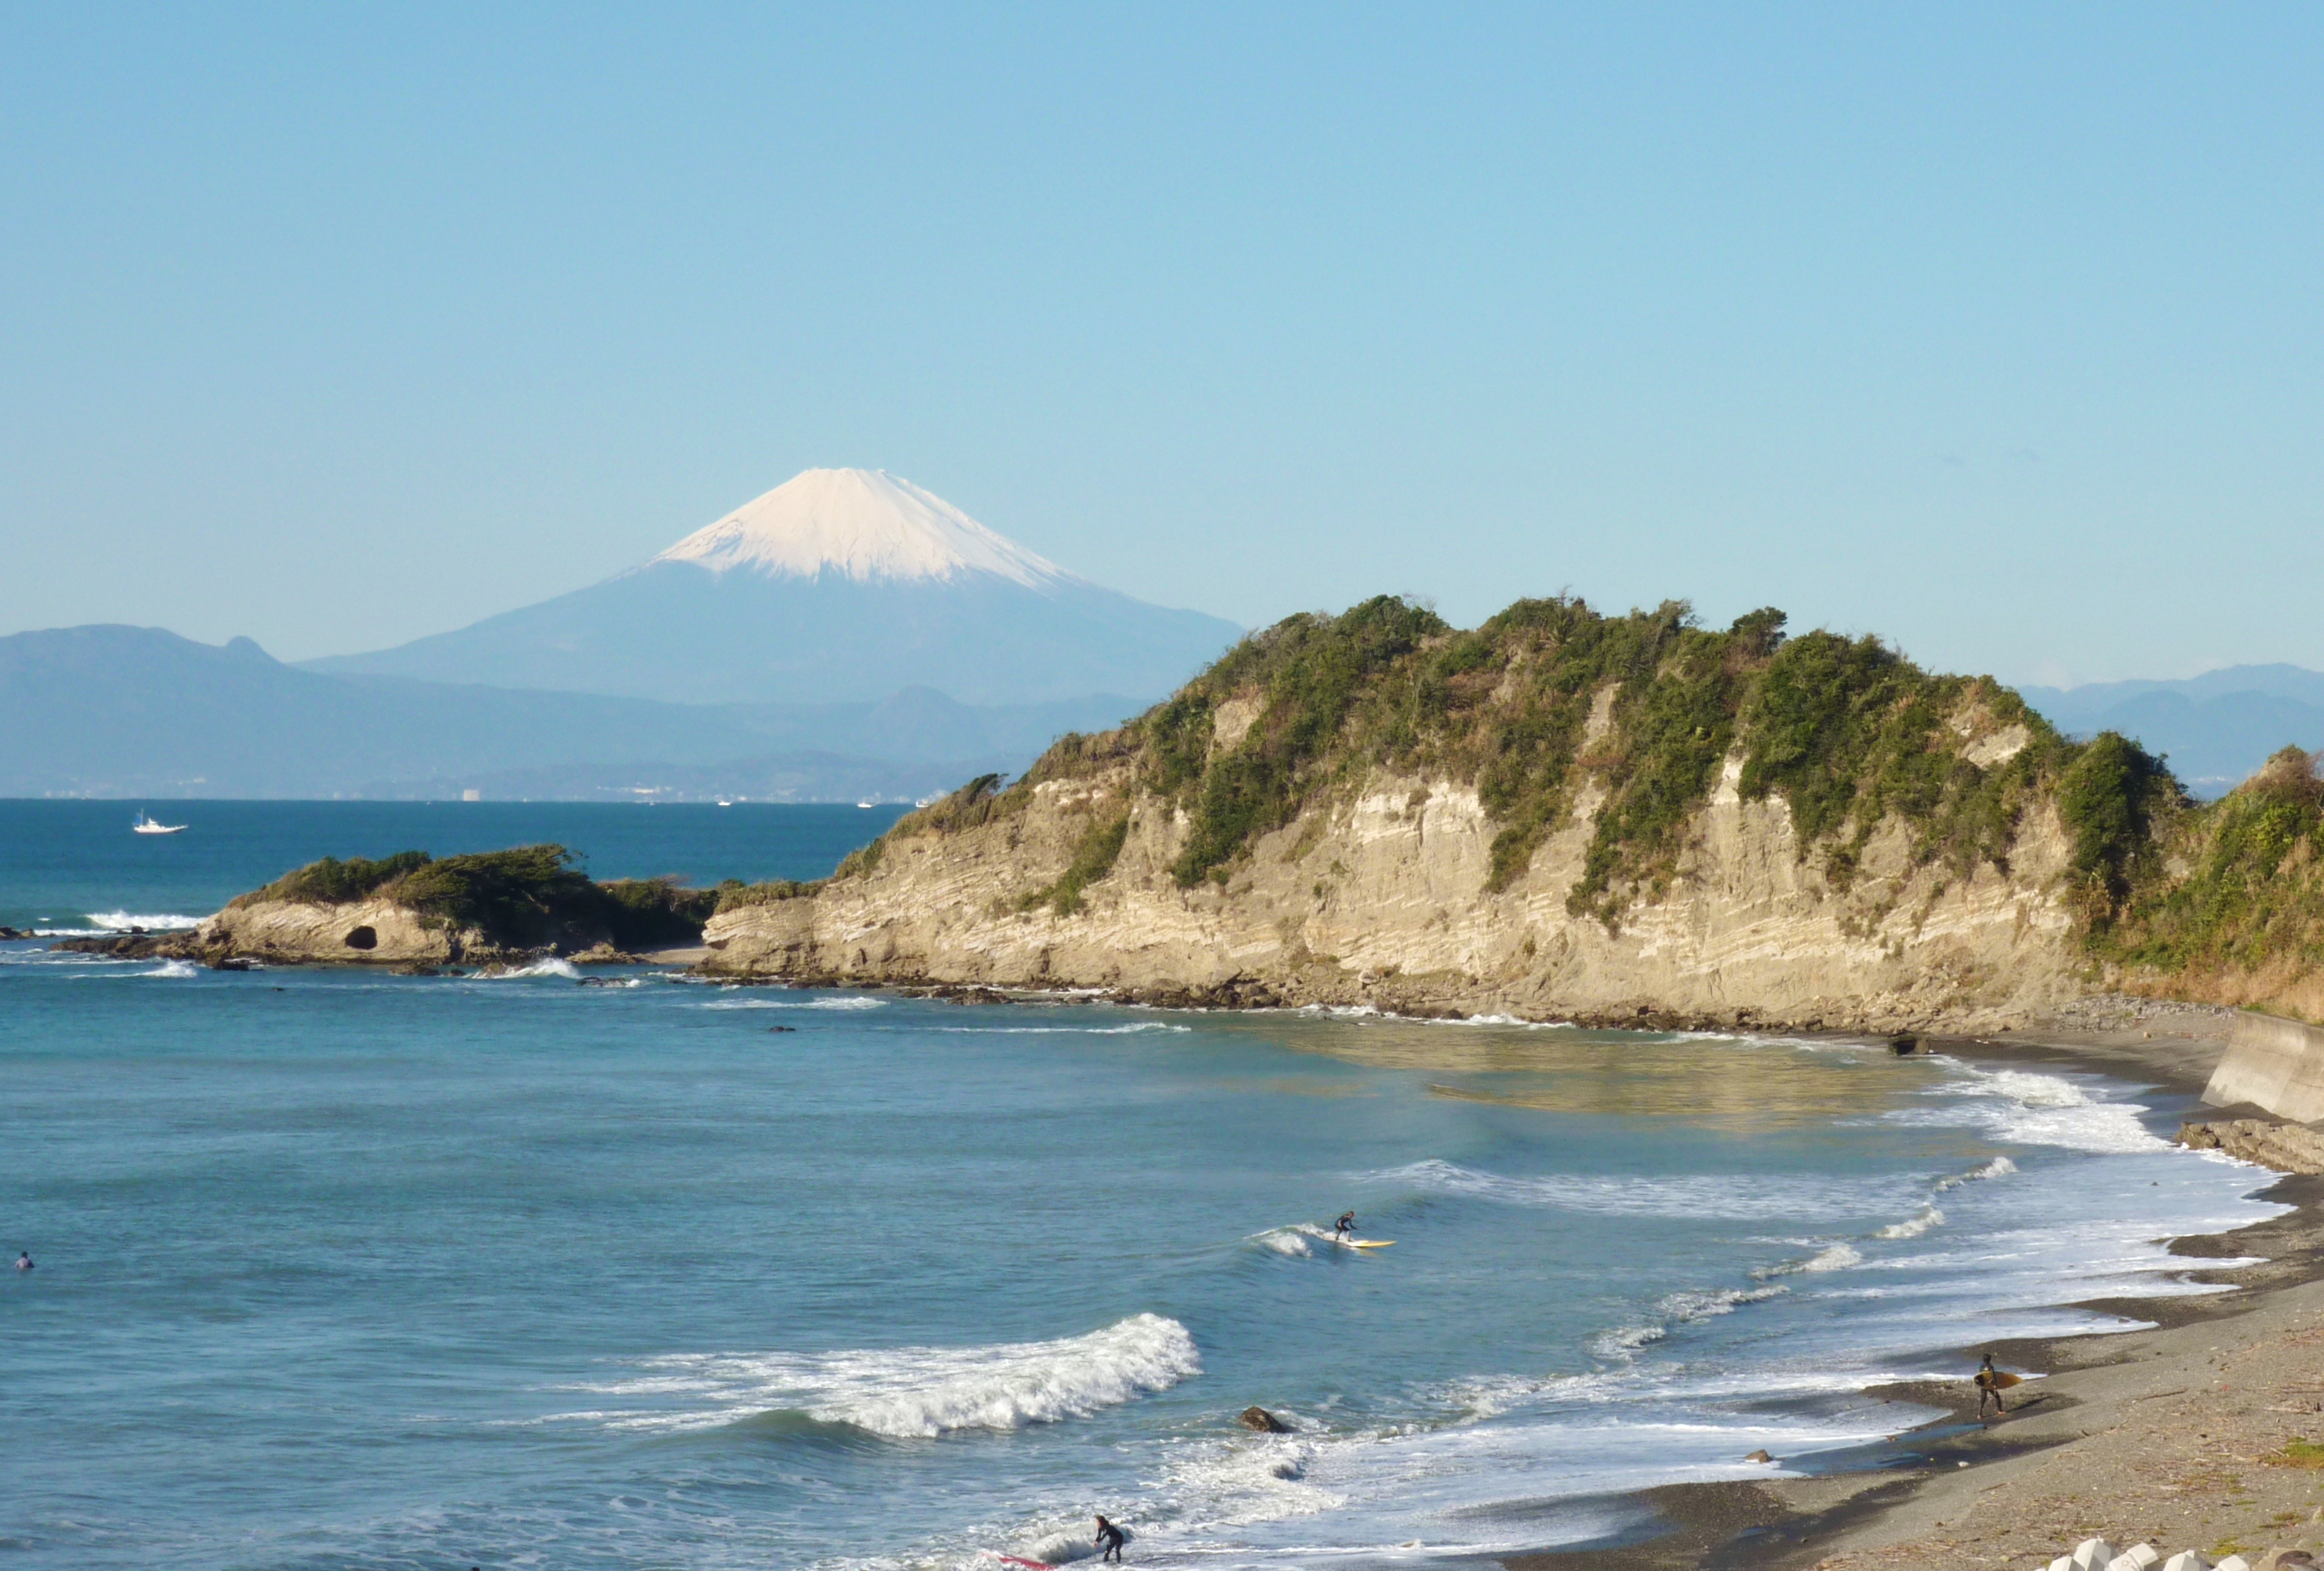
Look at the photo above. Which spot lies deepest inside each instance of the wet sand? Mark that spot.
(2176, 1436)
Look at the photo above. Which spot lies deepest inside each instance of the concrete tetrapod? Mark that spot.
(2090, 1555)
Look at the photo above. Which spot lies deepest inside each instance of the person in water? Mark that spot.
(1110, 1539)
(24, 1260)
(1345, 1227)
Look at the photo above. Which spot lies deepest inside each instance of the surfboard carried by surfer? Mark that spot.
(1990, 1383)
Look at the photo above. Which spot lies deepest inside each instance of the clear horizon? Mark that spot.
(1994, 334)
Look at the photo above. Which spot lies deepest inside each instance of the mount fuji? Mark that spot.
(840, 585)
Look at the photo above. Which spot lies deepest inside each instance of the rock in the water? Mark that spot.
(1758, 1457)
(1265, 1422)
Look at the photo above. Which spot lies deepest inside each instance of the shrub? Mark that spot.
(332, 882)
(733, 895)
(655, 912)
(1093, 858)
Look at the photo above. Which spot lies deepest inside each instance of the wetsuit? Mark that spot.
(1345, 1227)
(1111, 1538)
(1987, 1389)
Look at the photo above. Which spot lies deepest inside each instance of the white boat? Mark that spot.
(867, 804)
(144, 825)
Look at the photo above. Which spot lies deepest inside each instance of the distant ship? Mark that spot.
(144, 825)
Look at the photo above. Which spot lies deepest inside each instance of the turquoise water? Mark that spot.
(75, 866)
(343, 1270)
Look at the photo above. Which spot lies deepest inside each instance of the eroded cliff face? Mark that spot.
(367, 932)
(1379, 895)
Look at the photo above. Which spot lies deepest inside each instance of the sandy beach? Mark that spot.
(2191, 1434)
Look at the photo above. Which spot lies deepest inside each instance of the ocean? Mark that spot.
(342, 1270)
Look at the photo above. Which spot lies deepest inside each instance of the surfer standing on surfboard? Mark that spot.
(1345, 1227)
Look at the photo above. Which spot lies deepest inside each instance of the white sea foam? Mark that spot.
(1999, 1167)
(547, 965)
(1679, 1308)
(1374, 1012)
(2028, 1108)
(910, 1391)
(1834, 1257)
(122, 921)
(1730, 1196)
(1913, 1227)
(852, 1001)
(1293, 1240)
(1685, 1307)
(176, 969)
(1131, 1030)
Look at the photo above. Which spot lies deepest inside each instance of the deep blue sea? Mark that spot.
(342, 1270)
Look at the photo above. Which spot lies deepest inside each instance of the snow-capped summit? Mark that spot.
(861, 524)
(839, 586)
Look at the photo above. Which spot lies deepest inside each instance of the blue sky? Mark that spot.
(1995, 330)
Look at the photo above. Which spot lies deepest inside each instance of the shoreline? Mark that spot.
(2175, 1435)
(2094, 1416)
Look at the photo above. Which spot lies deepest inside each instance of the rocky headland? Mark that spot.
(1564, 815)
(1561, 815)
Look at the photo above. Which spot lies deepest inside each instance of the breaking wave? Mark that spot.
(1999, 1167)
(547, 965)
(1678, 1309)
(1837, 1257)
(1913, 1227)
(122, 921)
(2027, 1108)
(911, 1392)
(1131, 1030)
(1733, 1198)
(854, 1001)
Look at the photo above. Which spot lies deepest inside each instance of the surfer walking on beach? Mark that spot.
(1110, 1539)
(1990, 1383)
(1345, 1227)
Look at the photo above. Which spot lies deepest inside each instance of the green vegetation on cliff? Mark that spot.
(2247, 895)
(1550, 700)
(1550, 697)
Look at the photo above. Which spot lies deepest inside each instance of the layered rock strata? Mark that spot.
(1379, 897)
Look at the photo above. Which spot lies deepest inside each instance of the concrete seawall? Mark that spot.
(2273, 1063)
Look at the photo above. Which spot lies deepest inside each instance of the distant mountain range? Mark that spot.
(137, 712)
(2216, 728)
(846, 636)
(840, 585)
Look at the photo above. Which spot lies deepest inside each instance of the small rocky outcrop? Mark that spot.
(2283, 1147)
(1265, 1422)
